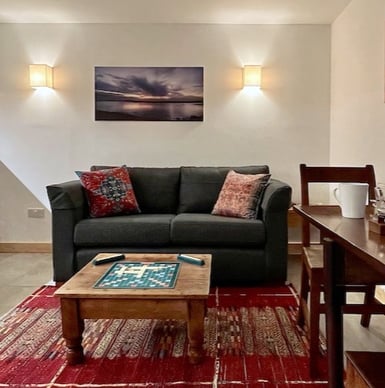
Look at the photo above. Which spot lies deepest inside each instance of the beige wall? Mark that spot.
(357, 86)
(45, 137)
(15, 201)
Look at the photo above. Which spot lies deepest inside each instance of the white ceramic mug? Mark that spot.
(352, 198)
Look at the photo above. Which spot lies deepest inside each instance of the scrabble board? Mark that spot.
(140, 275)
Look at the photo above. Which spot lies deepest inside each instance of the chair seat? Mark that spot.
(356, 274)
(314, 256)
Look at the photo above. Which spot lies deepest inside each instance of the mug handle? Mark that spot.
(336, 193)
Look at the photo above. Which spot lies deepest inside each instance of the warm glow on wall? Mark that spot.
(41, 76)
(252, 75)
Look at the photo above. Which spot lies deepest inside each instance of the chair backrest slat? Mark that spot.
(331, 174)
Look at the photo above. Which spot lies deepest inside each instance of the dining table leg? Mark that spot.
(334, 301)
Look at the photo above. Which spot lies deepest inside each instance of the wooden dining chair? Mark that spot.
(312, 258)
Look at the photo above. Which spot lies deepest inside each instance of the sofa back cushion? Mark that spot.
(156, 188)
(200, 186)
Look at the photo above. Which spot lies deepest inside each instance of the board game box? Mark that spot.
(140, 275)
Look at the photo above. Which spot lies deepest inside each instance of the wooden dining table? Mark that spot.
(344, 239)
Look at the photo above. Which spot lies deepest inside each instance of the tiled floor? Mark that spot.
(20, 275)
(23, 273)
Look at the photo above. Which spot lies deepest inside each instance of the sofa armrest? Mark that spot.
(274, 211)
(69, 206)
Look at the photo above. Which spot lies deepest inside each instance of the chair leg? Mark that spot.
(314, 323)
(303, 296)
(369, 299)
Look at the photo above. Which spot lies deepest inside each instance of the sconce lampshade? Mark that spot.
(252, 75)
(40, 76)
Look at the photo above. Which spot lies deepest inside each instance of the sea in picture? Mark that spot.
(149, 111)
(149, 93)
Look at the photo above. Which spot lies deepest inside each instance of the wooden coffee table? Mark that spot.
(186, 301)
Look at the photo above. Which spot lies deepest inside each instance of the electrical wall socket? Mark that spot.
(36, 213)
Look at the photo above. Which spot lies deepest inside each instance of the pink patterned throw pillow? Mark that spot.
(240, 195)
(109, 192)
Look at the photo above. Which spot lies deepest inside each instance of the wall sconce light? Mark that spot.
(41, 76)
(252, 75)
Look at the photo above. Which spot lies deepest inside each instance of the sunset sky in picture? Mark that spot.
(172, 84)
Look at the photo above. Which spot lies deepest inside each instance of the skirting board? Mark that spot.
(25, 247)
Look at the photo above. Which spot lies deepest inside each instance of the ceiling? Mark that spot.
(172, 11)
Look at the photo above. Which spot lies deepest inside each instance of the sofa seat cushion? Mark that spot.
(135, 230)
(207, 229)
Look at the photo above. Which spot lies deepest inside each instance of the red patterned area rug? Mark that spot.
(251, 340)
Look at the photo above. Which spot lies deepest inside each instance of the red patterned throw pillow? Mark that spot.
(109, 192)
(240, 195)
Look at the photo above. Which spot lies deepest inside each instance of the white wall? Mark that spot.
(357, 87)
(45, 137)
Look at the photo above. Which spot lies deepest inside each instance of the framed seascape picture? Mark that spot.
(149, 93)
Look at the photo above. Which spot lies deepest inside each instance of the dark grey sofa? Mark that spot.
(175, 217)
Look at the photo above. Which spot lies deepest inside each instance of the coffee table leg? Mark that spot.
(73, 328)
(195, 330)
